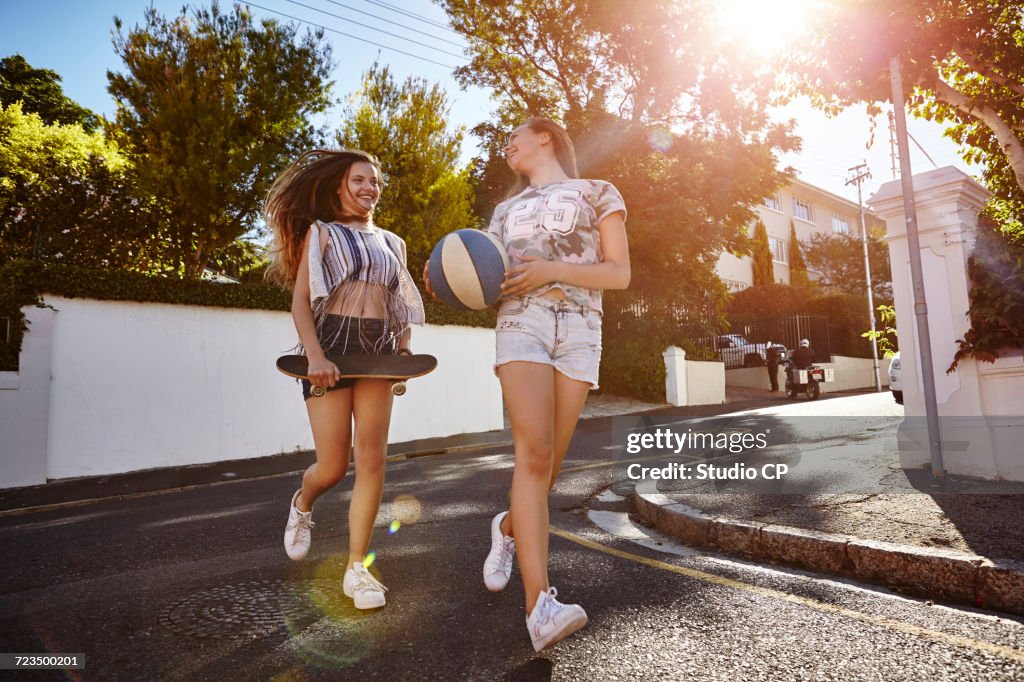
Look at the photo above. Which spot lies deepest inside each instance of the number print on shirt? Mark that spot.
(561, 208)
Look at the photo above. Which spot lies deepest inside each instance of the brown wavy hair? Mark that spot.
(564, 151)
(305, 192)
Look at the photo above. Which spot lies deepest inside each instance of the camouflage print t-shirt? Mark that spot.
(558, 222)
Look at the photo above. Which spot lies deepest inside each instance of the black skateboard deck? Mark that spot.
(396, 368)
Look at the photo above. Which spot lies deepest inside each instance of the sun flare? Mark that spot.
(764, 26)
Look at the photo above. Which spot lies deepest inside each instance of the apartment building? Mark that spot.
(811, 210)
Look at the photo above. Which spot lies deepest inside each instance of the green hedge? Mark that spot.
(24, 283)
(631, 364)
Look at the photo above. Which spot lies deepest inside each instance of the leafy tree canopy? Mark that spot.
(762, 263)
(66, 195)
(839, 261)
(212, 106)
(654, 107)
(797, 265)
(405, 125)
(40, 92)
(963, 60)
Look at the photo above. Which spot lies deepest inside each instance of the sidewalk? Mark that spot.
(943, 543)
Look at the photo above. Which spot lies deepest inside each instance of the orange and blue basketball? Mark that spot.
(467, 268)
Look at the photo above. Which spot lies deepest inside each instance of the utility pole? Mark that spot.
(892, 145)
(860, 174)
(924, 337)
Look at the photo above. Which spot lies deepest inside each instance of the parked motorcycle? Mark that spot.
(804, 381)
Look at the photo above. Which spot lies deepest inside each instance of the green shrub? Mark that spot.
(996, 271)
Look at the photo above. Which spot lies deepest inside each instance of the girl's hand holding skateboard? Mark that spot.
(322, 372)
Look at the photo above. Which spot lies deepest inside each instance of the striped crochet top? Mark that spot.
(362, 272)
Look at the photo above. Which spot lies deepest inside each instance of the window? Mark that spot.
(774, 202)
(840, 224)
(778, 248)
(802, 210)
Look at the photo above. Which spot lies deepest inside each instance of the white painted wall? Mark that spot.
(25, 406)
(136, 386)
(705, 382)
(689, 382)
(850, 374)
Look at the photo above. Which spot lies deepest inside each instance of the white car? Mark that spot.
(735, 351)
(896, 379)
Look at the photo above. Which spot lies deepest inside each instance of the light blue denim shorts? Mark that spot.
(548, 331)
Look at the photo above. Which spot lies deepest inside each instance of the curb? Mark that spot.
(996, 584)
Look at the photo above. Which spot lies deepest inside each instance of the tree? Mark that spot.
(405, 126)
(797, 267)
(654, 107)
(761, 253)
(67, 195)
(211, 107)
(839, 260)
(962, 59)
(40, 92)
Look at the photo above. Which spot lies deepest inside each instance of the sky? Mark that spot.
(73, 38)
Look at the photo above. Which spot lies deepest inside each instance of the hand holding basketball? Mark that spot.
(426, 281)
(534, 272)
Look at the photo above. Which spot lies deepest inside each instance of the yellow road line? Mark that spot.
(943, 637)
(597, 465)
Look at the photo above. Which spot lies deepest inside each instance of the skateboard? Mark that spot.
(396, 368)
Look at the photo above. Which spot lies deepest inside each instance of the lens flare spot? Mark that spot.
(393, 528)
(406, 509)
(660, 139)
(330, 572)
(369, 559)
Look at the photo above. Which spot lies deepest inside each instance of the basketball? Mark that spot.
(467, 268)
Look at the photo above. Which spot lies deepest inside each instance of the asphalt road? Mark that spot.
(194, 585)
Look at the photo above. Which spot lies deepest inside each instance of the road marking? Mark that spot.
(943, 637)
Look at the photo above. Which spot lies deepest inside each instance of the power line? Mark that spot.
(379, 30)
(408, 28)
(922, 149)
(411, 15)
(348, 35)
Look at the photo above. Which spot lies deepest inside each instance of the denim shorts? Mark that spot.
(548, 331)
(351, 336)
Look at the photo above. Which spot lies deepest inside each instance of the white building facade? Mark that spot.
(811, 210)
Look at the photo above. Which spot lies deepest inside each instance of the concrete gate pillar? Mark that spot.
(981, 405)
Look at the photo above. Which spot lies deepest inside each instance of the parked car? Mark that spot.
(896, 379)
(735, 351)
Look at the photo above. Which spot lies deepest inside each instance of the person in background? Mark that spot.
(803, 357)
(772, 361)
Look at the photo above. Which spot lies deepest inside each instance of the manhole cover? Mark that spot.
(254, 609)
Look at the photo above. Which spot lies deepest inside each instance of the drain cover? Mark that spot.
(253, 609)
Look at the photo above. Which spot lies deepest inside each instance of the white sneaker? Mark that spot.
(297, 535)
(498, 565)
(366, 591)
(552, 621)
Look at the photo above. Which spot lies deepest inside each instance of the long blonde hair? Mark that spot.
(565, 153)
(305, 192)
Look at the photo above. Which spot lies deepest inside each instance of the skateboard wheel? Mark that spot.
(398, 388)
(318, 391)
